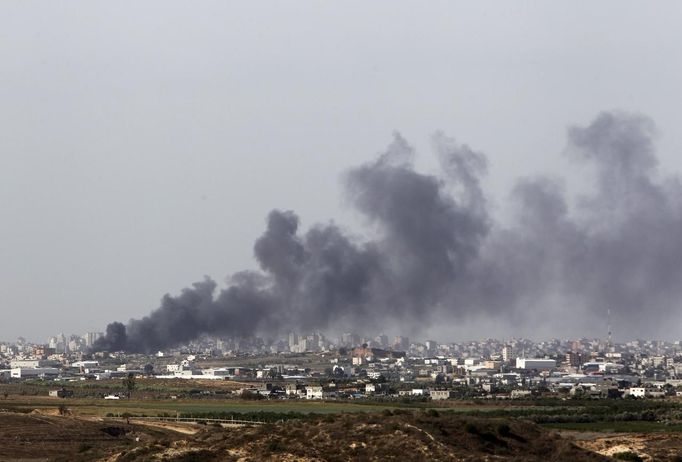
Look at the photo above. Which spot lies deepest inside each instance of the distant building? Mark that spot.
(85, 364)
(535, 363)
(490, 364)
(293, 341)
(382, 340)
(314, 393)
(371, 354)
(507, 353)
(645, 392)
(438, 395)
(62, 393)
(350, 339)
(91, 337)
(37, 372)
(574, 359)
(32, 363)
(401, 343)
(431, 345)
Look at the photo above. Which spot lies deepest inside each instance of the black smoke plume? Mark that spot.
(439, 254)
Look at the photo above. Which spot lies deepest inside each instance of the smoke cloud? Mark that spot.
(439, 255)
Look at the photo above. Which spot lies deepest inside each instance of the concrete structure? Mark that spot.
(37, 372)
(61, 393)
(507, 353)
(91, 337)
(517, 394)
(33, 363)
(535, 363)
(645, 392)
(438, 395)
(314, 393)
(85, 364)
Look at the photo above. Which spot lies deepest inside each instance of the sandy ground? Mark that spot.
(184, 428)
(649, 446)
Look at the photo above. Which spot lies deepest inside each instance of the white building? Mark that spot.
(643, 392)
(85, 364)
(438, 395)
(507, 353)
(91, 337)
(374, 375)
(32, 363)
(535, 363)
(182, 367)
(217, 372)
(314, 392)
(516, 394)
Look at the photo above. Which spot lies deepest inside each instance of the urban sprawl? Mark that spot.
(351, 367)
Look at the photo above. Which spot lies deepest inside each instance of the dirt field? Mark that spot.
(378, 437)
(38, 437)
(33, 428)
(649, 446)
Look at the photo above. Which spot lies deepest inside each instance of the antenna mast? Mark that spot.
(610, 343)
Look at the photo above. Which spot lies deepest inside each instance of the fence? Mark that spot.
(198, 420)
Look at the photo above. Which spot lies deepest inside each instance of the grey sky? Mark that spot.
(143, 144)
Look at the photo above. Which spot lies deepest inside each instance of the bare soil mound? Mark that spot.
(649, 446)
(380, 437)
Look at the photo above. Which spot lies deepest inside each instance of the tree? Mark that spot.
(440, 379)
(129, 383)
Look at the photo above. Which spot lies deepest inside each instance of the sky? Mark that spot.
(142, 144)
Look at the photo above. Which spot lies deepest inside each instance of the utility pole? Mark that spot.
(610, 342)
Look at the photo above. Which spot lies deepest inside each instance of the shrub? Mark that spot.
(471, 428)
(393, 426)
(275, 445)
(503, 430)
(628, 455)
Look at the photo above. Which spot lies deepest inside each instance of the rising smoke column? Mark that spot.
(618, 246)
(439, 252)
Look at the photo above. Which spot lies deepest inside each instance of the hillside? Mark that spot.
(405, 437)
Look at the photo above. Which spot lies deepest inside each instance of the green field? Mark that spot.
(154, 407)
(581, 415)
(618, 427)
